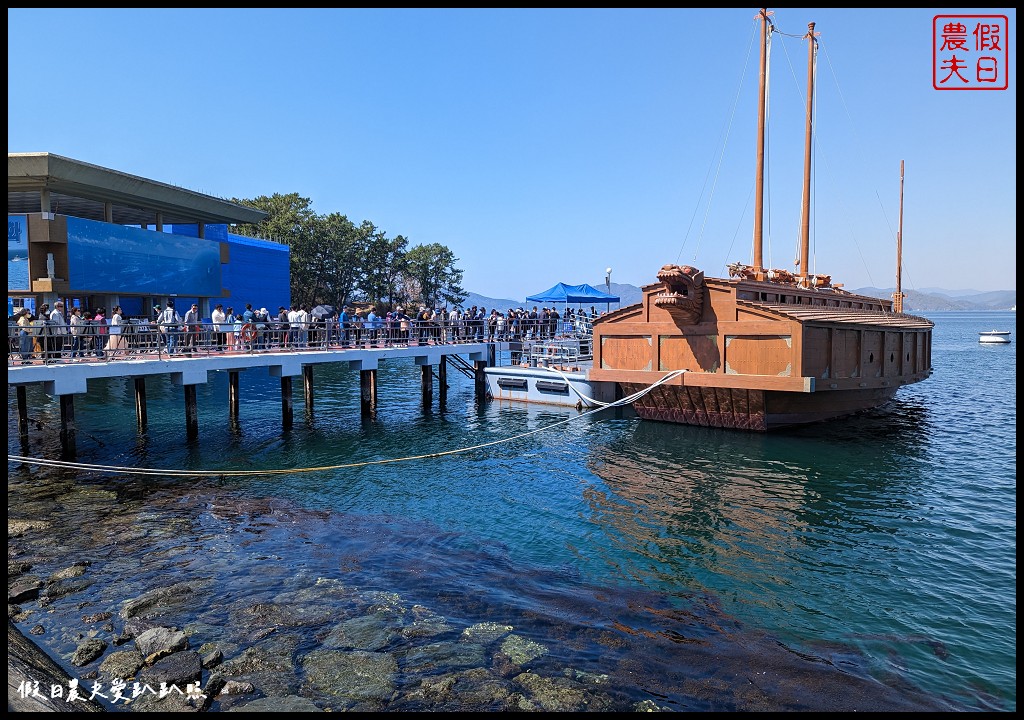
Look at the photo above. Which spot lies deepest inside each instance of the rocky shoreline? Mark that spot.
(234, 604)
(324, 646)
(144, 656)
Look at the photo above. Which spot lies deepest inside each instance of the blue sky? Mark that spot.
(546, 145)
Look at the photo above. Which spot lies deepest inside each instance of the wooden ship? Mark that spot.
(763, 349)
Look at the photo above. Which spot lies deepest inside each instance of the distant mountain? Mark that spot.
(939, 300)
(948, 293)
(491, 303)
(930, 300)
(628, 294)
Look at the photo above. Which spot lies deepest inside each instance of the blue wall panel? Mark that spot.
(132, 306)
(108, 258)
(212, 232)
(258, 273)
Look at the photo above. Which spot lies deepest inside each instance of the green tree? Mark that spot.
(384, 265)
(333, 261)
(287, 216)
(432, 267)
(328, 261)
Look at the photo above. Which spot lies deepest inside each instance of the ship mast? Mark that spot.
(762, 92)
(897, 297)
(805, 220)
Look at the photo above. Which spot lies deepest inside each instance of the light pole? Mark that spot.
(608, 280)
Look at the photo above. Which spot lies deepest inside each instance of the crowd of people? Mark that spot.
(53, 334)
(50, 335)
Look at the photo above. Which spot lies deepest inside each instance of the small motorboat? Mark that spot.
(994, 336)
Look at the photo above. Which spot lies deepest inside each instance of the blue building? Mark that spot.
(96, 237)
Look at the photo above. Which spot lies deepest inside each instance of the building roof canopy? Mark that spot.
(82, 190)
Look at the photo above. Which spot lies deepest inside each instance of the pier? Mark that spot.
(65, 379)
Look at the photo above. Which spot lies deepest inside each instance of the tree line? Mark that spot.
(336, 262)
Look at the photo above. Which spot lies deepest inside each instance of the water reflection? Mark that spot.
(779, 527)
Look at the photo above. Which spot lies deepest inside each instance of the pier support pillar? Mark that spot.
(191, 413)
(67, 424)
(233, 395)
(480, 379)
(307, 386)
(287, 414)
(442, 382)
(368, 393)
(22, 411)
(427, 383)
(140, 403)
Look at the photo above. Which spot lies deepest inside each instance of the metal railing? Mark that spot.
(48, 343)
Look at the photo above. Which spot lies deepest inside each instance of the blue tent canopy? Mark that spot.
(573, 294)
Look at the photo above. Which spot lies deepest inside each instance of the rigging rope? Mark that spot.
(121, 469)
(721, 158)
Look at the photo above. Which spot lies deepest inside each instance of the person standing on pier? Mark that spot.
(345, 325)
(192, 328)
(283, 326)
(100, 321)
(372, 325)
(58, 332)
(115, 343)
(77, 323)
(25, 336)
(169, 321)
(218, 318)
(302, 318)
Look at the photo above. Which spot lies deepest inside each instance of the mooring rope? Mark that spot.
(124, 470)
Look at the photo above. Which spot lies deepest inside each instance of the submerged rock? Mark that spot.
(355, 675)
(159, 642)
(122, 664)
(520, 650)
(180, 669)
(24, 588)
(88, 651)
(159, 600)
(291, 703)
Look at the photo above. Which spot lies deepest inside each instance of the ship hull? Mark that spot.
(753, 410)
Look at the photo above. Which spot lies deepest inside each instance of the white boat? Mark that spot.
(994, 336)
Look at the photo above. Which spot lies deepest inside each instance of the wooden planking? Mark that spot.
(705, 407)
(697, 353)
(817, 352)
(915, 349)
(892, 360)
(626, 353)
(873, 344)
(759, 355)
(845, 353)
